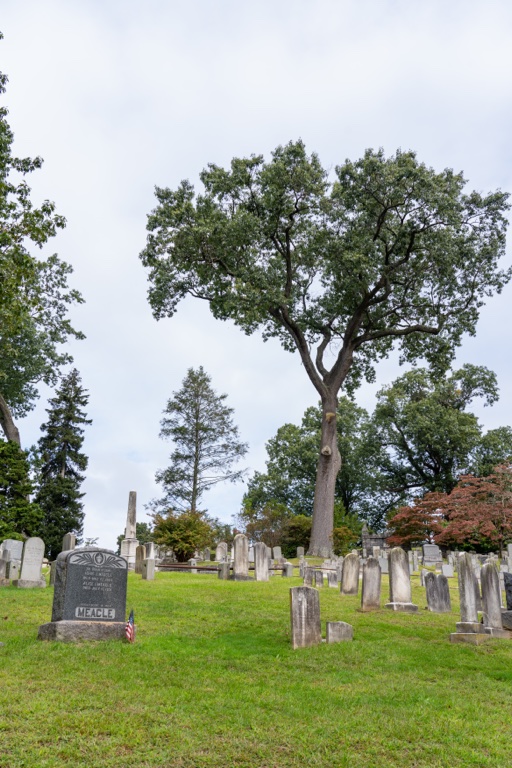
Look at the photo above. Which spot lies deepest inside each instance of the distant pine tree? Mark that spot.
(62, 464)
(18, 515)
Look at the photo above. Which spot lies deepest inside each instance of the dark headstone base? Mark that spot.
(74, 631)
(405, 607)
(506, 618)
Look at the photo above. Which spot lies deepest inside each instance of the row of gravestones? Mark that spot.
(21, 563)
(240, 562)
(495, 621)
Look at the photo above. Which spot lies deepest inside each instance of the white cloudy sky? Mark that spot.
(118, 96)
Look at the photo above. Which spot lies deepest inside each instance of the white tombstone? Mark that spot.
(241, 557)
(31, 564)
(260, 562)
(400, 596)
(221, 551)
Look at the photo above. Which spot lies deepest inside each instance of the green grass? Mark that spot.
(212, 680)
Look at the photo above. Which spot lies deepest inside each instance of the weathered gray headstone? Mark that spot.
(148, 569)
(221, 551)
(12, 570)
(276, 553)
(384, 564)
(14, 546)
(468, 586)
(319, 578)
(251, 555)
(400, 598)
(447, 570)
(308, 576)
(260, 562)
(207, 554)
(370, 594)
(438, 593)
(287, 571)
(431, 554)
(140, 555)
(300, 551)
(491, 598)
(223, 569)
(192, 563)
(89, 601)
(305, 617)
(31, 564)
(338, 631)
(5, 556)
(332, 579)
(68, 542)
(150, 552)
(350, 577)
(241, 558)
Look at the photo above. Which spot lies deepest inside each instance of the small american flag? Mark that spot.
(130, 628)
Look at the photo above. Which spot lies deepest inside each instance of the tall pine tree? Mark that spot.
(206, 443)
(63, 464)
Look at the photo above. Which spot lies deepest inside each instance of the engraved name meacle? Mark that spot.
(99, 572)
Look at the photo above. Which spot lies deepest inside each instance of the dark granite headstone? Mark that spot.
(507, 577)
(90, 588)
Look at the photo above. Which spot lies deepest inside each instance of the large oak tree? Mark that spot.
(388, 251)
(34, 293)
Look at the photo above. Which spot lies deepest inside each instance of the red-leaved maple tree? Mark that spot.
(476, 514)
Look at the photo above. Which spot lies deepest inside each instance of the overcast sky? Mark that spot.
(118, 96)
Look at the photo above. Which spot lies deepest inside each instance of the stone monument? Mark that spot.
(130, 543)
(89, 601)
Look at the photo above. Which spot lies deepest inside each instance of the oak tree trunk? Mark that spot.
(329, 464)
(10, 429)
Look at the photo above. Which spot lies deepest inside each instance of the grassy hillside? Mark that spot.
(212, 681)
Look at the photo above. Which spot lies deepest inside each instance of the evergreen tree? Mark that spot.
(63, 464)
(206, 442)
(19, 516)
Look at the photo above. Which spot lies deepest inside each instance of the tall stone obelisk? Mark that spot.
(130, 543)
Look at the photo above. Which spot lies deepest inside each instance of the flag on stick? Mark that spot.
(130, 628)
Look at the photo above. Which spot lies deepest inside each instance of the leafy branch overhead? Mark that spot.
(34, 293)
(388, 250)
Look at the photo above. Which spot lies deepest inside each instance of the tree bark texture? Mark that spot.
(10, 429)
(329, 464)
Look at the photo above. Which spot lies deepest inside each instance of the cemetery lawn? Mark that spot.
(212, 681)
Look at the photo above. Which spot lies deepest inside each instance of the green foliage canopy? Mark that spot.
(19, 516)
(429, 437)
(34, 293)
